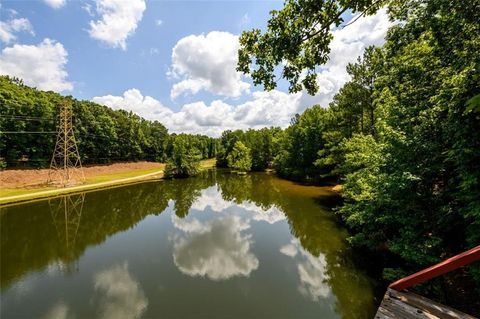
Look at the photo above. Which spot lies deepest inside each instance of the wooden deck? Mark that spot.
(406, 305)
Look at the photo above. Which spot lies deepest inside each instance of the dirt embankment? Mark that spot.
(14, 178)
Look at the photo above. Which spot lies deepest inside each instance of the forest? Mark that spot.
(28, 120)
(402, 136)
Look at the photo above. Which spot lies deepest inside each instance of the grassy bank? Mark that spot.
(13, 195)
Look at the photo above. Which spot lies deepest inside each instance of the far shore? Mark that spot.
(30, 184)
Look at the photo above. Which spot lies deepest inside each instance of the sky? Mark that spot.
(172, 61)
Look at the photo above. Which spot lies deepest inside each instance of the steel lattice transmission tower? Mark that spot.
(66, 166)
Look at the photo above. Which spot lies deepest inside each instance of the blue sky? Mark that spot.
(168, 60)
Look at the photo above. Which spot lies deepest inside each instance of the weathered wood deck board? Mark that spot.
(406, 305)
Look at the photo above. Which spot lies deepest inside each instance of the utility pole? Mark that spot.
(66, 166)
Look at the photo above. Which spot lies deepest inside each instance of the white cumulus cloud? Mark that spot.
(55, 4)
(207, 62)
(119, 19)
(10, 27)
(41, 66)
(264, 109)
(274, 108)
(133, 100)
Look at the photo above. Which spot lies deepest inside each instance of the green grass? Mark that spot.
(122, 175)
(7, 192)
(208, 163)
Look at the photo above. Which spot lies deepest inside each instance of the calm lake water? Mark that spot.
(214, 246)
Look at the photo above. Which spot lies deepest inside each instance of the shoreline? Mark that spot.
(39, 194)
(16, 199)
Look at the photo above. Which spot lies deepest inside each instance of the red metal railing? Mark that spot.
(437, 270)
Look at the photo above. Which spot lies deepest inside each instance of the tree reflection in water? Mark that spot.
(37, 235)
(66, 212)
(33, 236)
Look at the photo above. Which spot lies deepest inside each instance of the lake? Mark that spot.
(214, 246)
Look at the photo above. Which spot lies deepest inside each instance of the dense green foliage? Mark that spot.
(263, 145)
(240, 157)
(416, 186)
(301, 143)
(185, 157)
(103, 135)
(403, 135)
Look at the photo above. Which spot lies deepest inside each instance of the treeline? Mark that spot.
(402, 136)
(28, 121)
(261, 146)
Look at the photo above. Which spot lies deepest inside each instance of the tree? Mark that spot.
(104, 135)
(185, 158)
(263, 143)
(402, 135)
(297, 37)
(227, 142)
(240, 158)
(415, 190)
(352, 111)
(300, 146)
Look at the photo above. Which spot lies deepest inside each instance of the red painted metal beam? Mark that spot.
(439, 269)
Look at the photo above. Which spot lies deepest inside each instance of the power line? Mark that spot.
(87, 159)
(28, 132)
(79, 134)
(27, 117)
(32, 120)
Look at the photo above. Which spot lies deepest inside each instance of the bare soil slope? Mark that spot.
(34, 177)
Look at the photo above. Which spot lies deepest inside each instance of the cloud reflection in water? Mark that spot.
(311, 271)
(270, 215)
(59, 310)
(211, 197)
(216, 248)
(119, 295)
